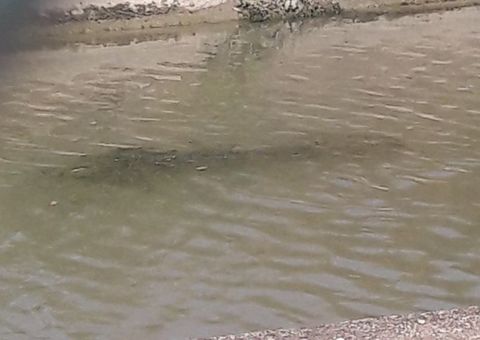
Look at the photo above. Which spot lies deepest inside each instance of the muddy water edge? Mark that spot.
(240, 178)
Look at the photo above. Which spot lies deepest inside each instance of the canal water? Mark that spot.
(239, 178)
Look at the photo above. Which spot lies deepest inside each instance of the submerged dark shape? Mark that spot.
(262, 10)
(135, 164)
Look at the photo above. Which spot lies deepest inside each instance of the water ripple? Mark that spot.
(221, 183)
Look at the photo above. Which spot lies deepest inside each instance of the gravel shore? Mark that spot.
(458, 323)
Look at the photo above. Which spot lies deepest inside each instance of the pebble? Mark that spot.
(76, 12)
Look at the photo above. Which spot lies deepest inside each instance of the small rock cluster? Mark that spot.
(120, 11)
(263, 10)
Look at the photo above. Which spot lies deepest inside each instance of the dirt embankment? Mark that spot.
(78, 22)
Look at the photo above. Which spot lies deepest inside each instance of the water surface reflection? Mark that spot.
(321, 174)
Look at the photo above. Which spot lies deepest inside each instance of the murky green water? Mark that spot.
(327, 173)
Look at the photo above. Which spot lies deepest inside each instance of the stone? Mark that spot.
(263, 10)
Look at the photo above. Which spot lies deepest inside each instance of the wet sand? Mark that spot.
(450, 324)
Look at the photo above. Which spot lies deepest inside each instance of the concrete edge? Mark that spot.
(166, 15)
(453, 324)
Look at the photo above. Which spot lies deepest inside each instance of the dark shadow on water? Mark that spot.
(14, 14)
(136, 165)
